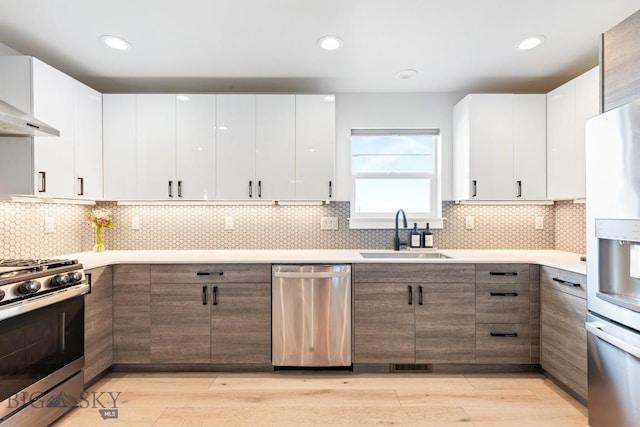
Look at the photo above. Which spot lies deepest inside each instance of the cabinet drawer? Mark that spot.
(504, 303)
(414, 273)
(564, 281)
(502, 273)
(503, 343)
(211, 273)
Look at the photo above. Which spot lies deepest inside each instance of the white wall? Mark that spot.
(393, 110)
(6, 50)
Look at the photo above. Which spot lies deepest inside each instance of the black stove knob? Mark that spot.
(60, 280)
(75, 276)
(29, 287)
(1, 294)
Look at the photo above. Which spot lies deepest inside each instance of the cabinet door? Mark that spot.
(131, 313)
(155, 146)
(119, 146)
(561, 161)
(587, 106)
(180, 329)
(445, 323)
(315, 147)
(53, 157)
(98, 324)
(384, 323)
(530, 147)
(241, 323)
(87, 143)
(236, 150)
(196, 147)
(491, 146)
(275, 146)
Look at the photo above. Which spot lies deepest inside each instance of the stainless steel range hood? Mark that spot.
(14, 122)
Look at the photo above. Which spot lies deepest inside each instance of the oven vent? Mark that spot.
(411, 368)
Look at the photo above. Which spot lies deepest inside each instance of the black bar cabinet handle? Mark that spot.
(43, 182)
(250, 188)
(259, 188)
(170, 188)
(81, 186)
(500, 334)
(503, 273)
(475, 188)
(179, 188)
(209, 273)
(410, 295)
(503, 294)
(205, 297)
(564, 282)
(330, 189)
(419, 295)
(215, 295)
(89, 281)
(519, 188)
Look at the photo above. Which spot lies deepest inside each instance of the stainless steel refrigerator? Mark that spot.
(613, 267)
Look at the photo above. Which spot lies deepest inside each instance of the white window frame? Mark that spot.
(384, 220)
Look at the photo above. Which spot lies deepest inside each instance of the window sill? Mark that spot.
(389, 223)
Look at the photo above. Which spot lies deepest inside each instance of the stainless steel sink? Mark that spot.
(403, 255)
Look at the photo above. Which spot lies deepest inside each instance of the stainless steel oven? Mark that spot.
(41, 340)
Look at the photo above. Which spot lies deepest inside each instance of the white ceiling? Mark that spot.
(270, 45)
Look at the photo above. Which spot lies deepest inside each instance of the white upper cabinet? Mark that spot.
(275, 146)
(156, 146)
(236, 147)
(499, 146)
(87, 141)
(568, 108)
(159, 146)
(529, 146)
(50, 166)
(196, 146)
(53, 157)
(315, 147)
(119, 140)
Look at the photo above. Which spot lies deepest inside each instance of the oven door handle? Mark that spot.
(597, 329)
(30, 304)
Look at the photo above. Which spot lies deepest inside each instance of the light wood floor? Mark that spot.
(295, 399)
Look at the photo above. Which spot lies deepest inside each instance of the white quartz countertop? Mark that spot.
(558, 259)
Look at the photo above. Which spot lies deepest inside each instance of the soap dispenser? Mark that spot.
(427, 239)
(414, 242)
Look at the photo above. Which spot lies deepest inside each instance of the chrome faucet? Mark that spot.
(396, 239)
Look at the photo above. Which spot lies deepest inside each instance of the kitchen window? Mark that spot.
(395, 169)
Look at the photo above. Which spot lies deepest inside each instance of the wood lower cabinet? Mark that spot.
(211, 313)
(384, 323)
(563, 333)
(506, 314)
(180, 327)
(241, 323)
(131, 313)
(98, 323)
(414, 313)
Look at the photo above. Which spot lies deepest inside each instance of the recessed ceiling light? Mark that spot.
(183, 98)
(531, 42)
(330, 42)
(329, 98)
(406, 74)
(115, 42)
(222, 128)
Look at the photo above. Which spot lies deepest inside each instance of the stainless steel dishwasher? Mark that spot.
(311, 315)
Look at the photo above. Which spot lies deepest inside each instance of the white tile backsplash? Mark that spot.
(22, 228)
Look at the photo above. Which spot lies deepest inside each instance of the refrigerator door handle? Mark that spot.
(597, 329)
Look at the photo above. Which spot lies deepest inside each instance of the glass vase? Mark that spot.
(99, 246)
